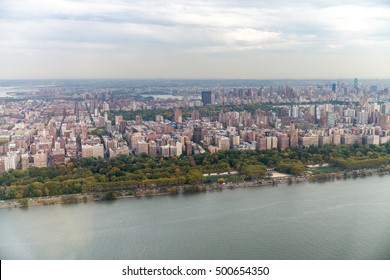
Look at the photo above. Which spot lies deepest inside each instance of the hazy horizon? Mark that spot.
(195, 79)
(174, 40)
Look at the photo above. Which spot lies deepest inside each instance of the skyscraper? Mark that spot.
(208, 98)
(356, 84)
(334, 86)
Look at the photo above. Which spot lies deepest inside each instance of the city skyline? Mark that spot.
(200, 40)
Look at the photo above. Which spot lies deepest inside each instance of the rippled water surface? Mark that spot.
(348, 219)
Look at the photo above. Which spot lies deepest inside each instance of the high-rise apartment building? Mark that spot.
(330, 119)
(118, 119)
(152, 148)
(138, 120)
(92, 151)
(24, 161)
(189, 148)
(195, 115)
(198, 135)
(261, 143)
(294, 111)
(224, 143)
(178, 117)
(40, 159)
(164, 151)
(142, 147)
(283, 141)
(293, 135)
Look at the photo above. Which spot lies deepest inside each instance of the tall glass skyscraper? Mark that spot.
(208, 98)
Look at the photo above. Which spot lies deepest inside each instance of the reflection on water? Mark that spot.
(10, 91)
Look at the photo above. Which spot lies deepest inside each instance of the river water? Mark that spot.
(346, 219)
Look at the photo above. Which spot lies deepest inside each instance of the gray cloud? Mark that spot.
(181, 34)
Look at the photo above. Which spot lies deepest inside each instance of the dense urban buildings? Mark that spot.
(53, 125)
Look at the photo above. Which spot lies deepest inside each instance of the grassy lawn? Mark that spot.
(324, 169)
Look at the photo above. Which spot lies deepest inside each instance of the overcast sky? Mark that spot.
(194, 39)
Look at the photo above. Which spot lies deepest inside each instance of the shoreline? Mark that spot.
(85, 197)
(287, 179)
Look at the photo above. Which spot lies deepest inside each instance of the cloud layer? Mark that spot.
(201, 39)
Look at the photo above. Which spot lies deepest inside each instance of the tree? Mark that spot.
(195, 176)
(253, 171)
(221, 180)
(23, 202)
(111, 195)
(294, 167)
